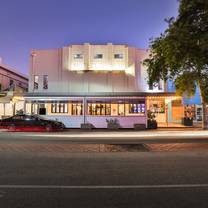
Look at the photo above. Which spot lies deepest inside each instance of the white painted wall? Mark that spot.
(98, 121)
(88, 75)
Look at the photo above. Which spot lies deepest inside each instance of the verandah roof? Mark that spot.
(100, 94)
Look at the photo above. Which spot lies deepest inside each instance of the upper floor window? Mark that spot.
(36, 82)
(98, 56)
(45, 82)
(11, 83)
(160, 85)
(118, 56)
(78, 56)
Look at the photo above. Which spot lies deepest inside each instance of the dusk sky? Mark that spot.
(43, 24)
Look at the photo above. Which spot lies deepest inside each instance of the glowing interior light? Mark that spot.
(130, 70)
(77, 66)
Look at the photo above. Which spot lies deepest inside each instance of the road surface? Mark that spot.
(37, 177)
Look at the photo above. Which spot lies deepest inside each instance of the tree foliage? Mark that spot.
(181, 52)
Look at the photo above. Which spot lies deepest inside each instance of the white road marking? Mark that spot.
(119, 134)
(150, 135)
(104, 186)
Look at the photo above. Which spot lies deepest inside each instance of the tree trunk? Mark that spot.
(204, 116)
(204, 110)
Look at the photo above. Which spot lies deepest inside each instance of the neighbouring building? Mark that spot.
(12, 86)
(192, 105)
(91, 83)
(10, 79)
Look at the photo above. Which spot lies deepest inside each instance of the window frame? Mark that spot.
(36, 82)
(160, 85)
(118, 109)
(74, 106)
(45, 82)
(99, 109)
(140, 108)
(118, 56)
(78, 56)
(57, 106)
(98, 56)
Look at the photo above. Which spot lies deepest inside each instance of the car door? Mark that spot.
(14, 121)
(30, 121)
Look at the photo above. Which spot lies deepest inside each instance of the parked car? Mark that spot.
(23, 122)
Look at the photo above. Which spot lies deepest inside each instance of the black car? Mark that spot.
(23, 122)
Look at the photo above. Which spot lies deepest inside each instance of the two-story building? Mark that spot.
(12, 86)
(10, 79)
(91, 83)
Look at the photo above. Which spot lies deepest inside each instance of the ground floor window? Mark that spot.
(114, 107)
(157, 106)
(59, 107)
(77, 108)
(137, 108)
(99, 108)
(189, 111)
(121, 109)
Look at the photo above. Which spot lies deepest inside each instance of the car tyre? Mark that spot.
(48, 128)
(11, 127)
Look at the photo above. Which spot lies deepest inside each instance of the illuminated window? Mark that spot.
(36, 82)
(77, 108)
(99, 108)
(78, 56)
(157, 106)
(118, 56)
(45, 82)
(98, 56)
(121, 109)
(59, 107)
(160, 85)
(107, 109)
(136, 108)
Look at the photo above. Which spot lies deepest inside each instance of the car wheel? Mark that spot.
(48, 128)
(11, 127)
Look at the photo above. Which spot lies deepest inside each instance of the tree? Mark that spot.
(181, 52)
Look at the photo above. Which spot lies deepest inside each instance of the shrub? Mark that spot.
(151, 122)
(113, 123)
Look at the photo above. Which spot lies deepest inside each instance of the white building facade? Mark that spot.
(89, 84)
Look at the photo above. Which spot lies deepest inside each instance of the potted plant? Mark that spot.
(151, 122)
(113, 123)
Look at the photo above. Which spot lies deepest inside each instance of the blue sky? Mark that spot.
(42, 24)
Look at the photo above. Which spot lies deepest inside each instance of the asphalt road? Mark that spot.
(38, 170)
(30, 177)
